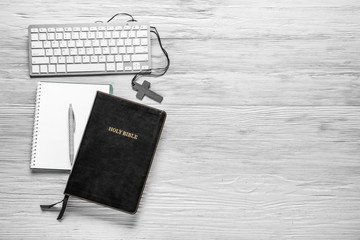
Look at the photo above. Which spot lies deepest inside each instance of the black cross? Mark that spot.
(144, 90)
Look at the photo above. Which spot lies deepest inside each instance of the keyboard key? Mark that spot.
(128, 68)
(123, 34)
(47, 44)
(128, 42)
(112, 42)
(110, 28)
(61, 68)
(85, 59)
(89, 51)
(54, 44)
(93, 59)
(83, 35)
(35, 69)
(93, 28)
(73, 51)
(76, 29)
(98, 67)
(110, 58)
(143, 41)
(95, 43)
(131, 34)
(103, 43)
(118, 58)
(63, 44)
(69, 59)
(43, 68)
(143, 27)
(119, 66)
(113, 50)
(126, 58)
(97, 51)
(106, 50)
(51, 68)
(99, 34)
(118, 27)
(144, 67)
(130, 50)
(136, 41)
(67, 36)
(34, 30)
(71, 44)
(61, 59)
(120, 42)
(85, 29)
(65, 52)
(57, 52)
(91, 35)
(110, 66)
(127, 27)
(49, 52)
(79, 43)
(59, 29)
(51, 29)
(102, 59)
(116, 35)
(53, 60)
(122, 50)
(75, 35)
(42, 30)
(42, 36)
(141, 34)
(77, 59)
(141, 49)
(68, 29)
(87, 43)
(36, 45)
(40, 60)
(107, 35)
(139, 57)
(101, 28)
(135, 27)
(136, 66)
(58, 36)
(81, 51)
(34, 36)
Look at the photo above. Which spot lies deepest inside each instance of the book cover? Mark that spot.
(116, 152)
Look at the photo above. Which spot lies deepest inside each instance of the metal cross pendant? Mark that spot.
(144, 90)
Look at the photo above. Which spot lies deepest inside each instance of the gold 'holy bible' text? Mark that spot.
(123, 133)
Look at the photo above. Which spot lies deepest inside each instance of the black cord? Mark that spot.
(153, 71)
(131, 20)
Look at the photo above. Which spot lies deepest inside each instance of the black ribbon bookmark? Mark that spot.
(62, 211)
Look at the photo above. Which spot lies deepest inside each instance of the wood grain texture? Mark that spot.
(262, 138)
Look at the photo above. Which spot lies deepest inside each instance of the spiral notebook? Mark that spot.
(50, 146)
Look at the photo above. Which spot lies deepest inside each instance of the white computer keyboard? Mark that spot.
(83, 49)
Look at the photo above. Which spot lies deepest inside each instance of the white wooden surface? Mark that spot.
(262, 139)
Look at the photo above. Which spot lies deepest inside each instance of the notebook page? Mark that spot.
(52, 147)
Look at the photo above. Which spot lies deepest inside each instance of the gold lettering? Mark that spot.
(122, 132)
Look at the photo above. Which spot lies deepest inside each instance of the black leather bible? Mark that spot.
(116, 152)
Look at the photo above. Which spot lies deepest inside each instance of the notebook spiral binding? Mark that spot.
(36, 123)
